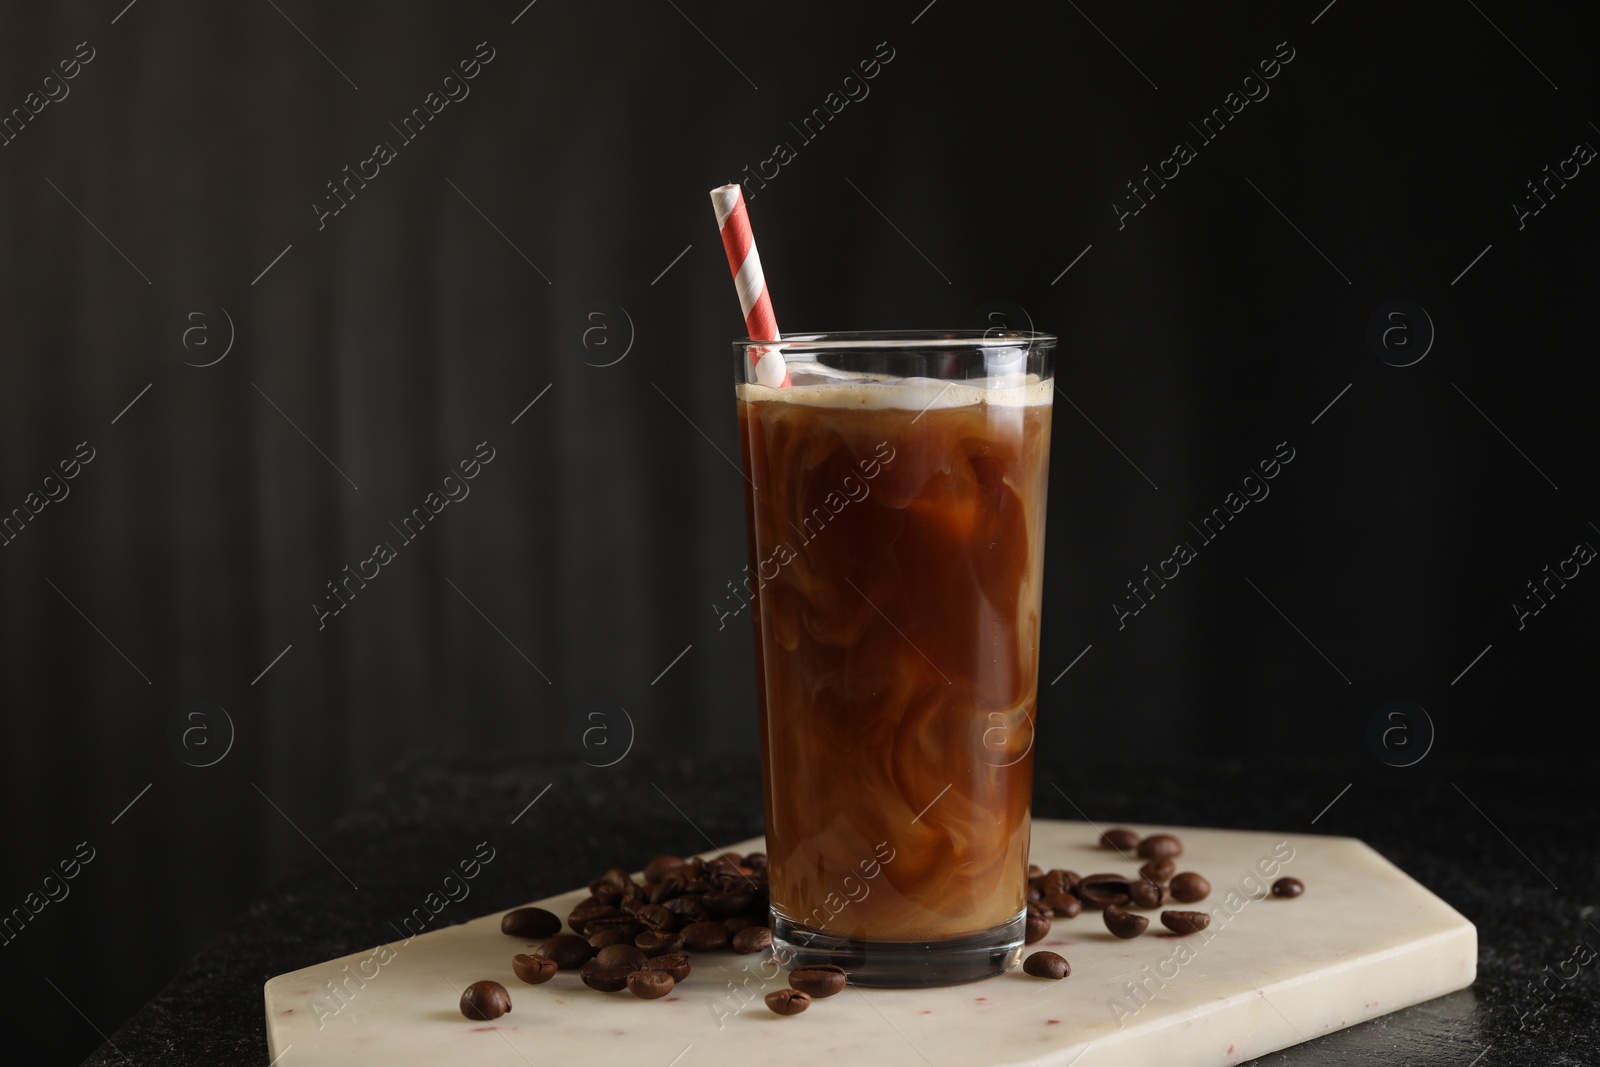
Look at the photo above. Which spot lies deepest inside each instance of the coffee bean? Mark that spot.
(758, 860)
(587, 909)
(1100, 890)
(654, 944)
(534, 970)
(1144, 894)
(1063, 905)
(604, 913)
(735, 923)
(1035, 929)
(1159, 871)
(752, 939)
(724, 903)
(606, 892)
(530, 924)
(621, 921)
(688, 910)
(657, 868)
(657, 917)
(676, 883)
(676, 964)
(605, 979)
(1046, 965)
(818, 979)
(1034, 892)
(616, 878)
(650, 985)
(1189, 887)
(1035, 871)
(1288, 887)
(1185, 922)
(614, 935)
(788, 1001)
(482, 1001)
(620, 956)
(568, 950)
(1124, 924)
(704, 936)
(1121, 840)
(1160, 846)
(1057, 881)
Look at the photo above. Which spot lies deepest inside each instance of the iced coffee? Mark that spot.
(895, 523)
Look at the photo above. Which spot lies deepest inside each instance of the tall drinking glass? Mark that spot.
(894, 506)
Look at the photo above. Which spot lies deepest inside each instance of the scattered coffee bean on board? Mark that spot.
(620, 956)
(1124, 924)
(1160, 846)
(1046, 965)
(482, 1001)
(652, 943)
(1036, 928)
(752, 939)
(1185, 922)
(1160, 870)
(1145, 894)
(676, 964)
(1099, 890)
(1120, 839)
(1288, 887)
(788, 1001)
(533, 969)
(650, 984)
(605, 979)
(568, 950)
(614, 935)
(818, 980)
(532, 924)
(705, 936)
(1057, 881)
(1063, 905)
(657, 868)
(588, 909)
(657, 917)
(1189, 887)
(687, 909)
(613, 887)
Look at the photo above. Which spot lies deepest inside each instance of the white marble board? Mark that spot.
(1363, 940)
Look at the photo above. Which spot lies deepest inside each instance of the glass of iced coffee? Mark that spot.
(895, 505)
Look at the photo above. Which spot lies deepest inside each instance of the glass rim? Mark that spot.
(857, 339)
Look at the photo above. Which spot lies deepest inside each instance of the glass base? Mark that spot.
(903, 964)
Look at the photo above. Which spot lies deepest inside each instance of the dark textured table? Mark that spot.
(1513, 850)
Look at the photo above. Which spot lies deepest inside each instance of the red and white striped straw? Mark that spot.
(754, 300)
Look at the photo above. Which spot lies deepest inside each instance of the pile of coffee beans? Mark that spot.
(1061, 894)
(638, 936)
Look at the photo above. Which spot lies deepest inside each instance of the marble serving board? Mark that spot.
(1364, 939)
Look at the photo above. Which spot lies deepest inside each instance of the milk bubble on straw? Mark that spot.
(754, 300)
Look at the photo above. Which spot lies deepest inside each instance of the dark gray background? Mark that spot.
(459, 286)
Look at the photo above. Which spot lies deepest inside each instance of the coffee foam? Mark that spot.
(910, 394)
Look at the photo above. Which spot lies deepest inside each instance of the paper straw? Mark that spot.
(754, 300)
